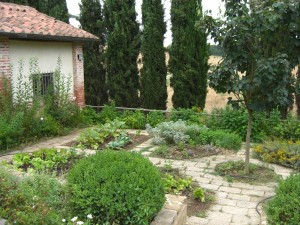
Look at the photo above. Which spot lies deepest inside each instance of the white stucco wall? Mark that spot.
(47, 54)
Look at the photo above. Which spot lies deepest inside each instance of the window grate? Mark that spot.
(42, 83)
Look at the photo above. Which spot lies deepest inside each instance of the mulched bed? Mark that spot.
(234, 171)
(135, 141)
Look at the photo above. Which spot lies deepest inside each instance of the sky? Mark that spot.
(213, 5)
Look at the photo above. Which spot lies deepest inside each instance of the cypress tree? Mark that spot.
(123, 43)
(189, 55)
(91, 20)
(154, 71)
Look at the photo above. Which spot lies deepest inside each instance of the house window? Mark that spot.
(42, 83)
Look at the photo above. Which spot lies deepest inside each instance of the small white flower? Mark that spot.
(89, 216)
(42, 118)
(80, 222)
(63, 220)
(74, 98)
(74, 219)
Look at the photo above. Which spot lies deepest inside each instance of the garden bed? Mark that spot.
(135, 140)
(234, 171)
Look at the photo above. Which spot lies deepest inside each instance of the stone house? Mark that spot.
(26, 33)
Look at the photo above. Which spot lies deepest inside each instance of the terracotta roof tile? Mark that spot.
(19, 19)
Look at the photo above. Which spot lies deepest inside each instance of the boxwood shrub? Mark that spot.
(116, 188)
(284, 208)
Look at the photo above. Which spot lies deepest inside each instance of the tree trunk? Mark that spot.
(249, 128)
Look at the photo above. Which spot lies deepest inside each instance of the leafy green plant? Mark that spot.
(37, 199)
(116, 188)
(134, 120)
(45, 159)
(119, 142)
(190, 116)
(284, 208)
(155, 118)
(108, 113)
(220, 139)
(177, 185)
(95, 137)
(199, 194)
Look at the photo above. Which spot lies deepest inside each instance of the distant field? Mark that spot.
(213, 100)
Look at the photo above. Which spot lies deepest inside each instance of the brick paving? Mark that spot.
(235, 203)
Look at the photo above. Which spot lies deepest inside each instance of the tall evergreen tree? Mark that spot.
(123, 43)
(55, 8)
(154, 71)
(91, 20)
(189, 54)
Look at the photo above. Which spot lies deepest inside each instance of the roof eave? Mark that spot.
(41, 37)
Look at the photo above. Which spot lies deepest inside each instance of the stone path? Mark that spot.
(235, 202)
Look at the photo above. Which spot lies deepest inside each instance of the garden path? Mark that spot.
(235, 203)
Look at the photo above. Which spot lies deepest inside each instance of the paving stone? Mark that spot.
(253, 192)
(212, 187)
(221, 194)
(193, 220)
(2, 221)
(241, 219)
(202, 180)
(221, 217)
(239, 197)
(246, 204)
(242, 186)
(215, 207)
(230, 190)
(234, 210)
(227, 202)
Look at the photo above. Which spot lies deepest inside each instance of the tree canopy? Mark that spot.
(91, 20)
(256, 65)
(154, 71)
(123, 45)
(188, 55)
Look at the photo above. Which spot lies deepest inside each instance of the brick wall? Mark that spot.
(4, 59)
(78, 75)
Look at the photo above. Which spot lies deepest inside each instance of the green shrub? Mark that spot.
(36, 200)
(116, 188)
(108, 113)
(190, 116)
(155, 118)
(89, 116)
(286, 153)
(172, 132)
(220, 139)
(134, 120)
(284, 208)
(265, 125)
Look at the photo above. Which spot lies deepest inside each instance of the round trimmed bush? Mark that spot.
(284, 208)
(116, 188)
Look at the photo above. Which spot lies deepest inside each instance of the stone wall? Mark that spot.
(174, 211)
